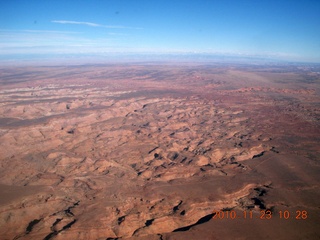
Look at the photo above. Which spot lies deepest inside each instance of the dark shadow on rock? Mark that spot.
(200, 221)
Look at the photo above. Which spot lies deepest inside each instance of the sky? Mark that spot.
(280, 29)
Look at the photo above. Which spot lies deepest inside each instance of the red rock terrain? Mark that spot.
(159, 152)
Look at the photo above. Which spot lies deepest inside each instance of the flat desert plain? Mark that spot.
(160, 151)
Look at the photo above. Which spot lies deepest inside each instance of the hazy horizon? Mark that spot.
(274, 30)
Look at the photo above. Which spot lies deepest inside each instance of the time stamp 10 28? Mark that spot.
(263, 214)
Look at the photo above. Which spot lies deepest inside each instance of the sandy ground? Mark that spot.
(160, 152)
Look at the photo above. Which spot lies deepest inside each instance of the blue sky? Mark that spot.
(288, 30)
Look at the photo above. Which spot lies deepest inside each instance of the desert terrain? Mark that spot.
(160, 151)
